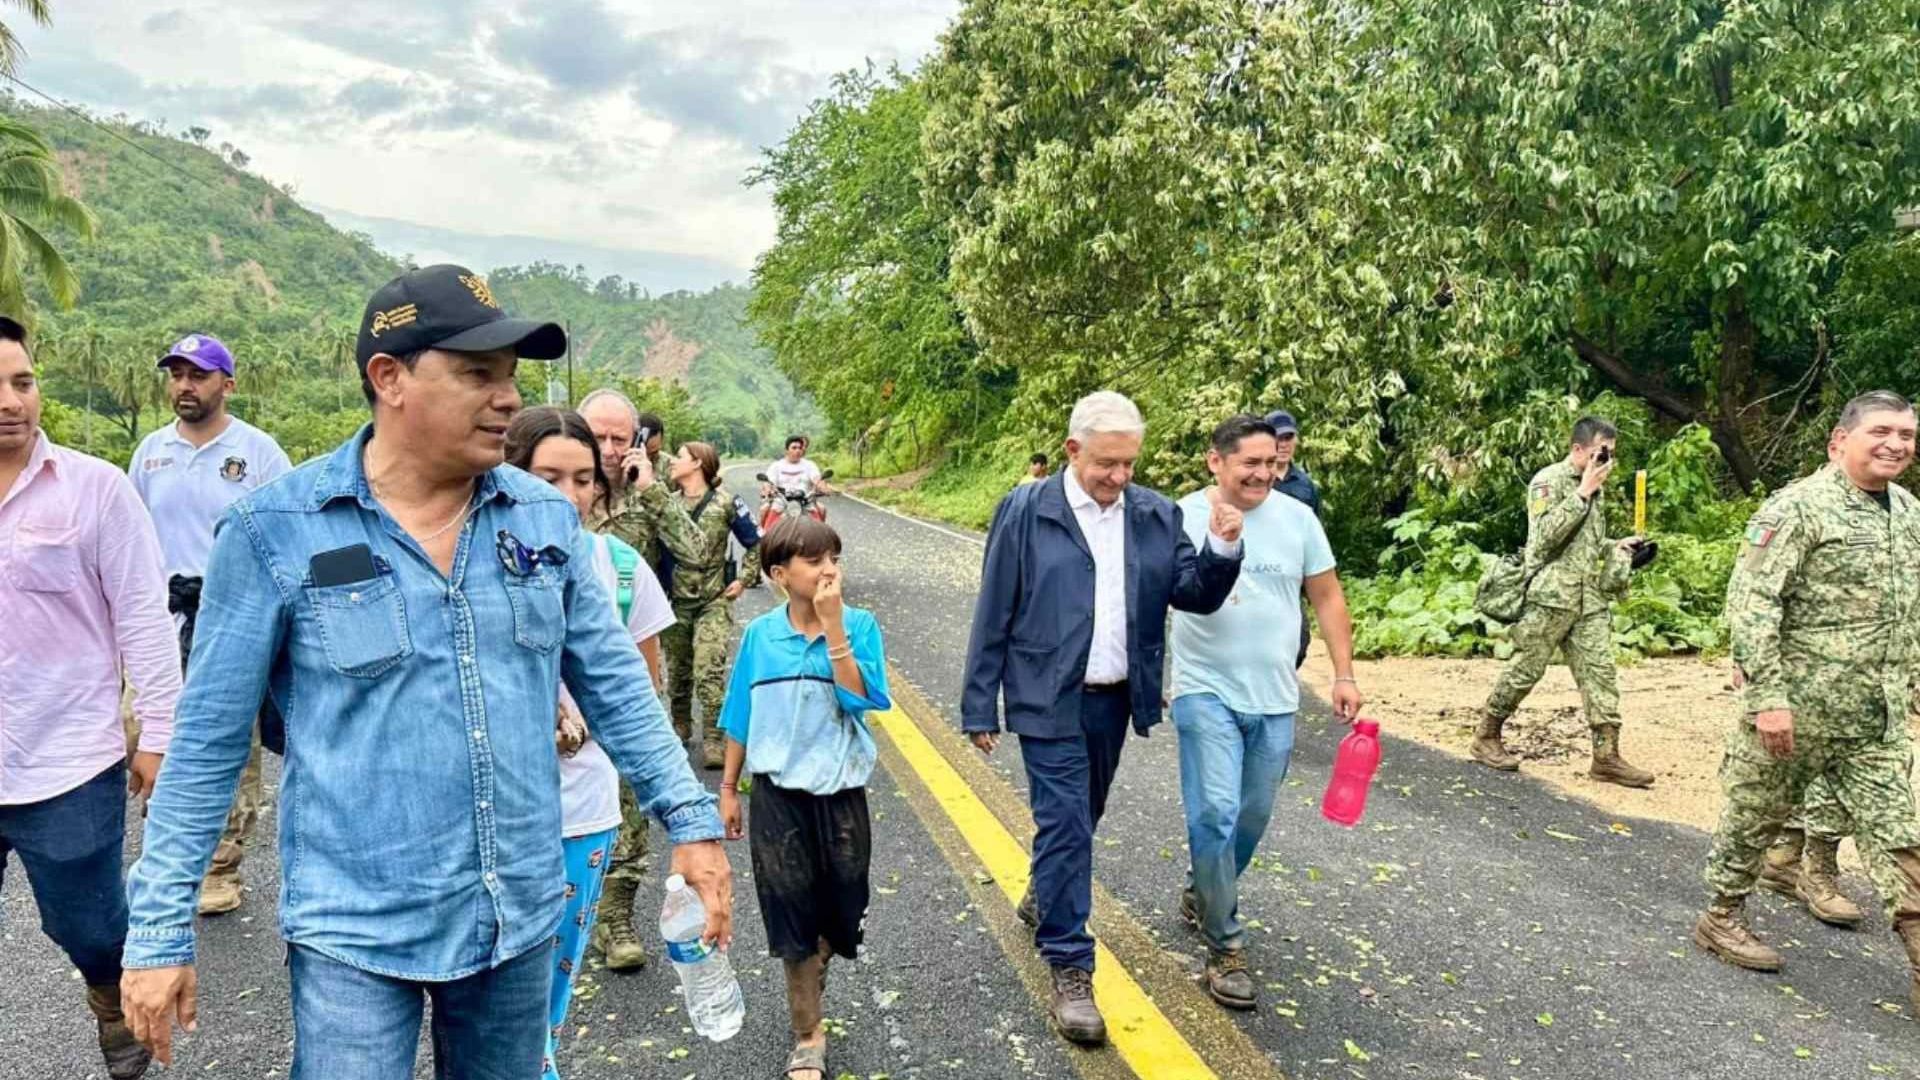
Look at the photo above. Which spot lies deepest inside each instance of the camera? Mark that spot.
(1605, 455)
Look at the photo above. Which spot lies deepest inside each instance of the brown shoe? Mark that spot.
(221, 893)
(1228, 981)
(1819, 890)
(1074, 1012)
(1723, 932)
(1781, 871)
(1029, 911)
(1190, 907)
(126, 1059)
(1487, 748)
(1609, 767)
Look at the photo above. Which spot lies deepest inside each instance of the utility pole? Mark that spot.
(569, 329)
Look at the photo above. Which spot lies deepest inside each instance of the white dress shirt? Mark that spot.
(1105, 529)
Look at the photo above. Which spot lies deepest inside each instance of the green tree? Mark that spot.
(854, 297)
(32, 200)
(10, 50)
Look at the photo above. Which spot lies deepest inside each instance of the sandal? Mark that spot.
(807, 1059)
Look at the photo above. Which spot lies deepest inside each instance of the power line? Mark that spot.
(57, 103)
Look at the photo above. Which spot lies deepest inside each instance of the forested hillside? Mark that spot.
(188, 240)
(1437, 231)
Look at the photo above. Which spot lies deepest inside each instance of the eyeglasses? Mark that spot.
(521, 560)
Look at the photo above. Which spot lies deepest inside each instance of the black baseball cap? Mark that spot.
(449, 307)
(1283, 422)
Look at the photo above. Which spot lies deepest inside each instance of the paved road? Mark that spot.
(1475, 926)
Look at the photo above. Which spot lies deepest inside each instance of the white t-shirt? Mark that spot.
(589, 784)
(1244, 653)
(794, 476)
(186, 489)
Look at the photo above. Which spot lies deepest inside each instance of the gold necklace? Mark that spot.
(439, 532)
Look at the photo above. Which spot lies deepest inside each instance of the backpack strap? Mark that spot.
(626, 563)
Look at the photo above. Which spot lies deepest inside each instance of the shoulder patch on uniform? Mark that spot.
(739, 507)
(1761, 533)
(1540, 497)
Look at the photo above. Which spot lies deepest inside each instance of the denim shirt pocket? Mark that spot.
(362, 625)
(539, 614)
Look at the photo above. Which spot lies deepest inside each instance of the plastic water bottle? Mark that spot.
(714, 1004)
(1353, 766)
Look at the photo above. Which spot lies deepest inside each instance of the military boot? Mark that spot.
(1818, 889)
(1781, 871)
(1909, 931)
(1608, 766)
(716, 748)
(1722, 931)
(1488, 750)
(126, 1058)
(613, 932)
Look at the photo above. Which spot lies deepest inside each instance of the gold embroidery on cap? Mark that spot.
(394, 317)
(481, 292)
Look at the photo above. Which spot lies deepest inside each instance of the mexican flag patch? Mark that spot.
(1542, 495)
(1759, 535)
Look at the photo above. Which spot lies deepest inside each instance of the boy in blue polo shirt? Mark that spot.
(807, 674)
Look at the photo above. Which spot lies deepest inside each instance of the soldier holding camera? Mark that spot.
(1575, 574)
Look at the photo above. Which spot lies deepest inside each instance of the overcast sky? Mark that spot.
(622, 123)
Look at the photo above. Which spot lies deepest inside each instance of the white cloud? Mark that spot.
(620, 123)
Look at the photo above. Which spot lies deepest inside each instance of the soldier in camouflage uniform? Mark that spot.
(693, 527)
(617, 426)
(1577, 573)
(1822, 608)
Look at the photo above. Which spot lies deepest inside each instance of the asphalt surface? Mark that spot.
(1475, 925)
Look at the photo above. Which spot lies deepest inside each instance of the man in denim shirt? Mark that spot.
(412, 605)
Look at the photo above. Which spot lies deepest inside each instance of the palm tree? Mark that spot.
(10, 51)
(32, 198)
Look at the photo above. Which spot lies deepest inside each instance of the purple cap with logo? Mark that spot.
(202, 351)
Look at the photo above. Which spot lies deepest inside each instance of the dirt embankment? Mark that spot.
(1675, 716)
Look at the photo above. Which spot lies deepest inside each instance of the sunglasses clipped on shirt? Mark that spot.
(523, 561)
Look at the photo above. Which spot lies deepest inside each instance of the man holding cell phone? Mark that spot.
(412, 605)
(1576, 575)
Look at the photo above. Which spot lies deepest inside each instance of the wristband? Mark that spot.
(1346, 679)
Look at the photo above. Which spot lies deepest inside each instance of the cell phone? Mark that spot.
(1605, 455)
(640, 441)
(343, 566)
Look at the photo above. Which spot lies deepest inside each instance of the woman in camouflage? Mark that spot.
(694, 525)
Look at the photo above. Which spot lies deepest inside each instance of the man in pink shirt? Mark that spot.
(84, 594)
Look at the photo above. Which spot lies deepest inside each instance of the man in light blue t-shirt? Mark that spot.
(1235, 691)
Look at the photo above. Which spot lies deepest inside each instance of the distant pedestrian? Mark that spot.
(1037, 469)
(1079, 574)
(1578, 573)
(84, 592)
(413, 604)
(1294, 482)
(807, 675)
(188, 473)
(1235, 698)
(557, 446)
(1821, 608)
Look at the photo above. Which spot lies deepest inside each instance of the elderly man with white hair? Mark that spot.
(1070, 631)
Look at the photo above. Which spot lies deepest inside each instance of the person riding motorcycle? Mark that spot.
(794, 473)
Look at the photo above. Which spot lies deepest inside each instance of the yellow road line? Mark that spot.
(1149, 1043)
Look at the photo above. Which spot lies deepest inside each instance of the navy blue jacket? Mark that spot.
(1033, 623)
(1301, 486)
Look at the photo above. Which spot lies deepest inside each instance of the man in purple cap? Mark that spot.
(188, 473)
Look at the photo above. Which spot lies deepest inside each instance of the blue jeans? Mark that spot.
(587, 858)
(71, 848)
(1231, 763)
(1067, 784)
(491, 1025)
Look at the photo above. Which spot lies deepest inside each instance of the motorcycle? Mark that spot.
(784, 501)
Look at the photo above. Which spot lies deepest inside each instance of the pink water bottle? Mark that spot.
(1346, 797)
